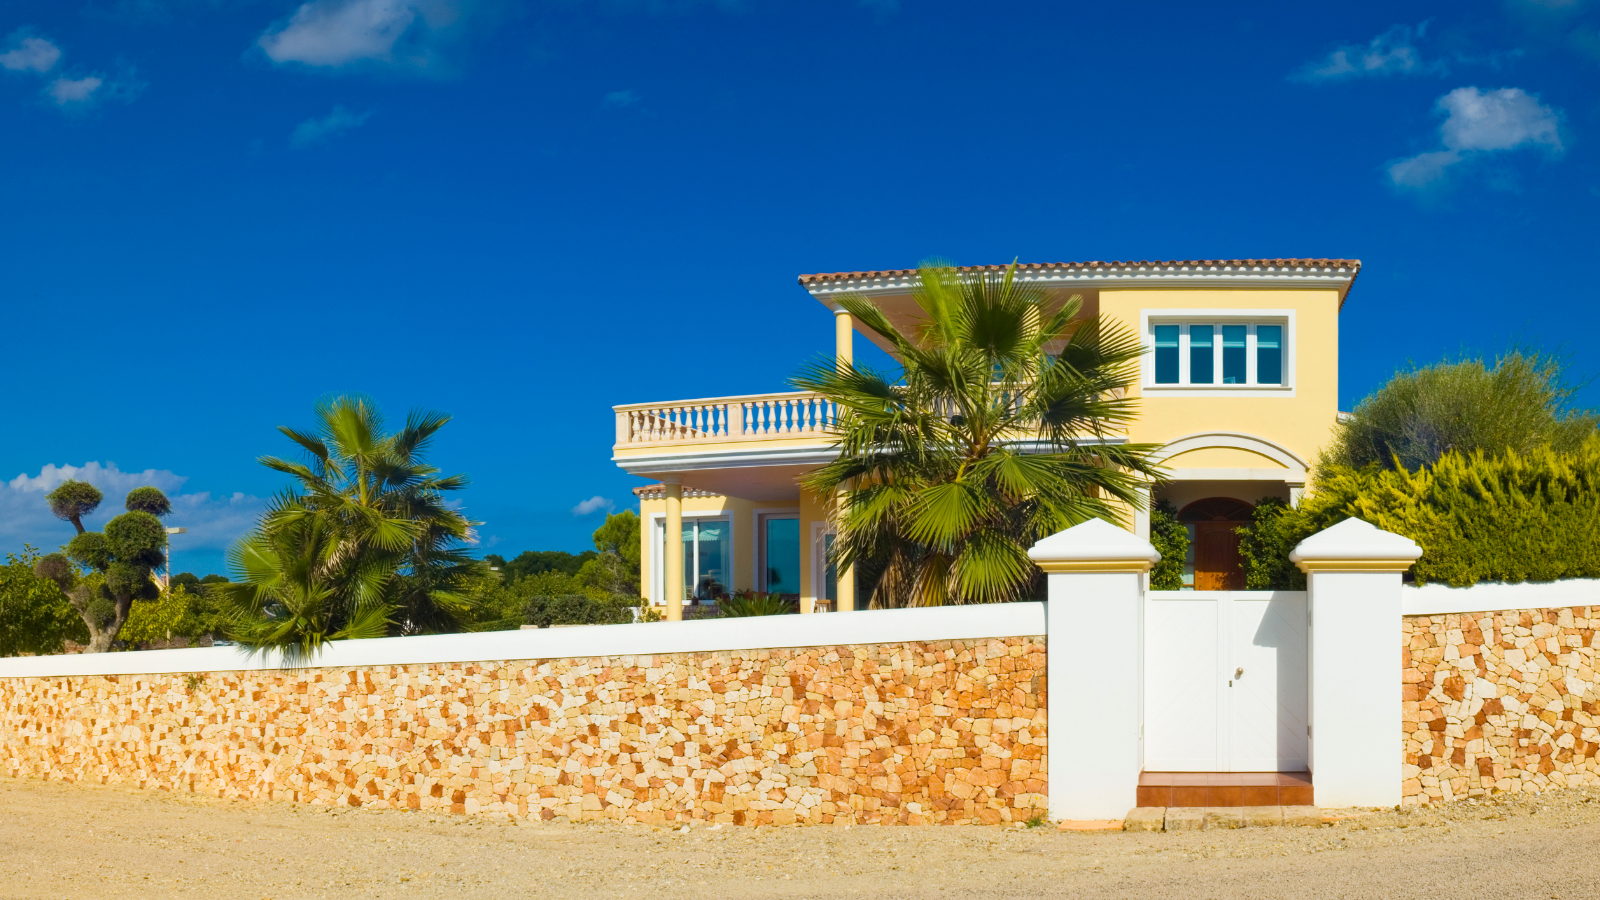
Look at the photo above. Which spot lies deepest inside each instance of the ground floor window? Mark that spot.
(780, 555)
(706, 558)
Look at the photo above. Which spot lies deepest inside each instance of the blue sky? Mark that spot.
(214, 212)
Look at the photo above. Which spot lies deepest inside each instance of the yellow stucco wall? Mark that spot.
(1299, 423)
(1222, 458)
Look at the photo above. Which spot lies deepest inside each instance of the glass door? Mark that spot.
(706, 558)
(780, 556)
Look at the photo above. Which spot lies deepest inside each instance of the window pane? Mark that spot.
(1166, 354)
(688, 560)
(711, 581)
(1201, 361)
(1233, 371)
(782, 556)
(1269, 354)
(830, 586)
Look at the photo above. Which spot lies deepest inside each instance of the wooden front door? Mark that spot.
(1216, 557)
(1214, 547)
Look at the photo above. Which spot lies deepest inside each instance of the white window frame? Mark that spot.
(758, 547)
(820, 531)
(1285, 318)
(658, 563)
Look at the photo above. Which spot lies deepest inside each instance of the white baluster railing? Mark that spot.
(726, 419)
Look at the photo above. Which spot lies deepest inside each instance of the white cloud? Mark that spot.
(25, 517)
(1390, 53)
(334, 33)
(68, 91)
(1497, 120)
(313, 131)
(29, 54)
(1478, 123)
(593, 504)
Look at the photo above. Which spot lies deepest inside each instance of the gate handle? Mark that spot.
(1239, 672)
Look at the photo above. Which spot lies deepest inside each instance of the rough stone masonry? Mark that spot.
(918, 733)
(1500, 701)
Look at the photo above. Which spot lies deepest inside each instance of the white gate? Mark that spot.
(1225, 681)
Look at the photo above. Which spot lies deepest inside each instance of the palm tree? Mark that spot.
(365, 544)
(1002, 429)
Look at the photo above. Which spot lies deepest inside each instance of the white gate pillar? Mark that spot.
(1353, 583)
(1095, 672)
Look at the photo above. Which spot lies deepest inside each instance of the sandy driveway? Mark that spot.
(65, 841)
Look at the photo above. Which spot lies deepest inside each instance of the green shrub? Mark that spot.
(579, 609)
(754, 603)
(1265, 544)
(1171, 540)
(1511, 517)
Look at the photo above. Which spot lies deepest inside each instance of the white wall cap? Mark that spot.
(1354, 539)
(1092, 540)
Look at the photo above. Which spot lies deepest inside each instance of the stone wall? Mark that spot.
(1501, 701)
(921, 732)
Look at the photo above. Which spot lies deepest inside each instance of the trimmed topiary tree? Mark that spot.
(125, 554)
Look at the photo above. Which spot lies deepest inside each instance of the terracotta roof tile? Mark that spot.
(1354, 265)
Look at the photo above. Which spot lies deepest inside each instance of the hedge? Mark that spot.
(1511, 517)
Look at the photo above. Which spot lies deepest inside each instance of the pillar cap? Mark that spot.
(1355, 546)
(1094, 546)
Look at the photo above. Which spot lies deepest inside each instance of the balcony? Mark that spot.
(719, 420)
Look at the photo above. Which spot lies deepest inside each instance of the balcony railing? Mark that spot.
(751, 418)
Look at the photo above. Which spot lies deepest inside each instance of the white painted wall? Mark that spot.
(1095, 672)
(1355, 688)
(886, 626)
(1442, 599)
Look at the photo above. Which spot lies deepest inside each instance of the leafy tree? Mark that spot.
(990, 440)
(179, 613)
(196, 584)
(1171, 540)
(616, 568)
(35, 616)
(125, 554)
(72, 500)
(533, 562)
(366, 543)
(1521, 402)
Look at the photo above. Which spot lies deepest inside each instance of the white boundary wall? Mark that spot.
(885, 626)
(1443, 600)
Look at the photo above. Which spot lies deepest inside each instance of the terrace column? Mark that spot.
(672, 566)
(1353, 608)
(845, 579)
(844, 328)
(1094, 637)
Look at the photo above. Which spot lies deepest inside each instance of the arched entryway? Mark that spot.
(1213, 563)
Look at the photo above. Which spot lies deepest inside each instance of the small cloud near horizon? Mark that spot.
(594, 504)
(316, 130)
(1479, 123)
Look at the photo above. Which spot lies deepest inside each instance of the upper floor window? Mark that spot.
(1219, 353)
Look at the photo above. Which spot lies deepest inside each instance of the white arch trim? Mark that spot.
(1236, 441)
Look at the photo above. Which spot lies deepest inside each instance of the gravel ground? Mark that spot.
(62, 840)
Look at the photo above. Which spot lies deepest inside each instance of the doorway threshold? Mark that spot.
(1225, 789)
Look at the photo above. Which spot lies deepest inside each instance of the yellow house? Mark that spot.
(1240, 383)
